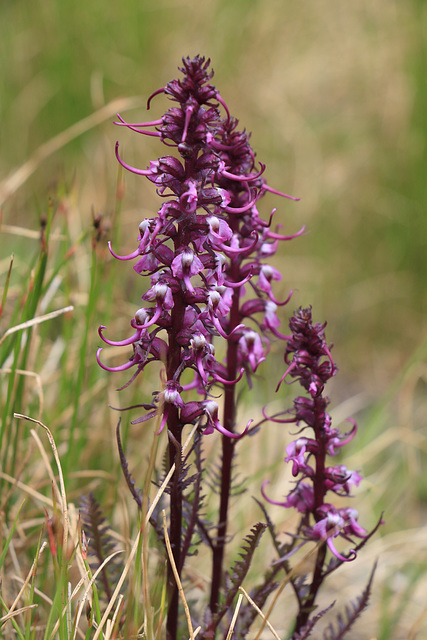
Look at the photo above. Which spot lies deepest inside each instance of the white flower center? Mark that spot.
(141, 316)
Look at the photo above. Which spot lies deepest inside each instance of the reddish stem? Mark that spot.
(319, 498)
(175, 444)
(227, 450)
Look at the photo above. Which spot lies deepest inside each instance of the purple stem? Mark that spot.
(307, 604)
(227, 450)
(175, 443)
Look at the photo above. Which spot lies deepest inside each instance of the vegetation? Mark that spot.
(336, 100)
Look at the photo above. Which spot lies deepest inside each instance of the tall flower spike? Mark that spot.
(205, 255)
(208, 239)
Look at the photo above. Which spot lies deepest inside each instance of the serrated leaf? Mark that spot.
(353, 611)
(136, 493)
(100, 544)
(239, 570)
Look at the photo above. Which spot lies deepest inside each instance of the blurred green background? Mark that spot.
(335, 94)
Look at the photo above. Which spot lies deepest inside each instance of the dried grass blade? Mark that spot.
(177, 579)
(111, 627)
(36, 495)
(14, 181)
(260, 613)
(61, 477)
(48, 466)
(136, 543)
(234, 618)
(118, 586)
(12, 614)
(38, 320)
(28, 578)
(88, 588)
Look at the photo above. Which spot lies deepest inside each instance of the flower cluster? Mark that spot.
(309, 362)
(206, 242)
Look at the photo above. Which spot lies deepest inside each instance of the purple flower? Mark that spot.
(186, 265)
(296, 454)
(219, 232)
(352, 528)
(204, 257)
(300, 498)
(267, 274)
(208, 410)
(331, 526)
(170, 396)
(251, 349)
(340, 480)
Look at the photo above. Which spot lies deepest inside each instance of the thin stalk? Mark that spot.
(6, 287)
(227, 458)
(175, 524)
(175, 452)
(308, 603)
(319, 499)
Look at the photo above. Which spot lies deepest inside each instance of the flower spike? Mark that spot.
(309, 361)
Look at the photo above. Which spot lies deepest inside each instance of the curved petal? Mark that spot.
(218, 378)
(288, 370)
(130, 256)
(222, 101)
(221, 331)
(349, 436)
(352, 554)
(164, 419)
(123, 123)
(189, 110)
(236, 285)
(282, 302)
(230, 434)
(119, 343)
(122, 367)
(276, 419)
(139, 172)
(265, 187)
(156, 93)
(243, 178)
(241, 209)
(264, 495)
(278, 236)
(241, 250)
(144, 418)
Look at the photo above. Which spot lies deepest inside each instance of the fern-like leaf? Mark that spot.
(305, 632)
(240, 568)
(100, 544)
(136, 493)
(239, 571)
(281, 548)
(193, 508)
(352, 612)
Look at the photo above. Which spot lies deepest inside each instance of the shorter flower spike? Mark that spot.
(309, 361)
